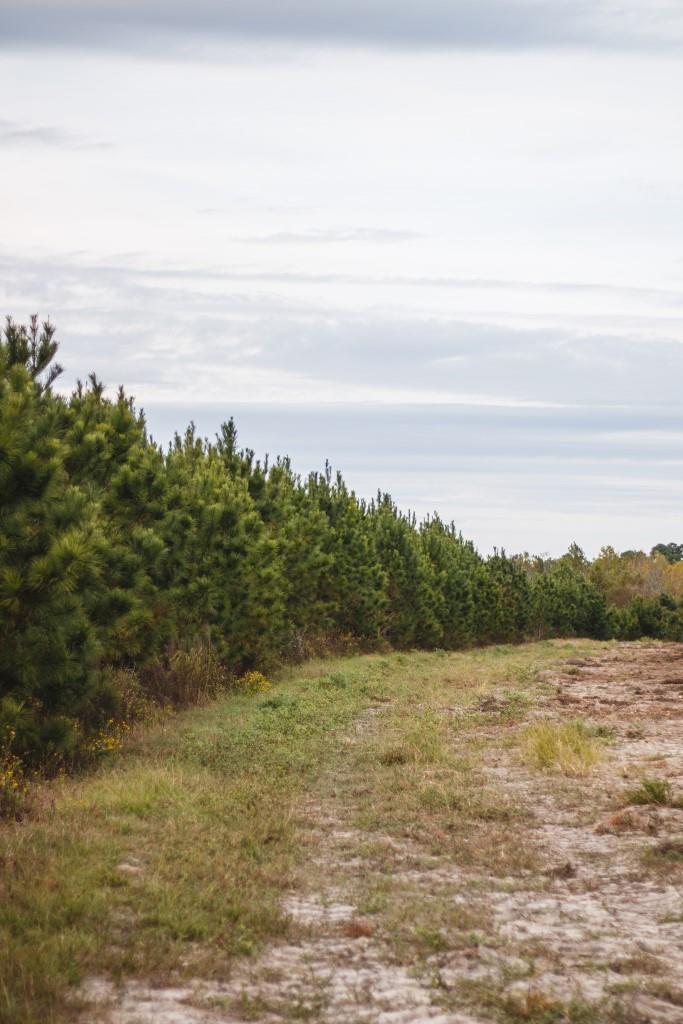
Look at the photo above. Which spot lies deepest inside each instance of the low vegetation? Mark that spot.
(652, 791)
(571, 747)
(182, 844)
(667, 852)
(171, 858)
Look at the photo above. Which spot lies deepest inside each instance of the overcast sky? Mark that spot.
(437, 242)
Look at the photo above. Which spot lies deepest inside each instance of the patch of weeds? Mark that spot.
(425, 927)
(430, 940)
(643, 963)
(14, 790)
(420, 740)
(373, 900)
(479, 805)
(425, 738)
(668, 851)
(532, 1006)
(567, 746)
(393, 754)
(188, 676)
(601, 731)
(665, 991)
(522, 674)
(517, 703)
(278, 702)
(535, 1006)
(651, 791)
(256, 1007)
(335, 680)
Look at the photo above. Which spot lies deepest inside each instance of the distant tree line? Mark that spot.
(116, 554)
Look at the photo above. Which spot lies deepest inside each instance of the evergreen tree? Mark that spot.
(222, 570)
(49, 566)
(415, 605)
(108, 453)
(454, 561)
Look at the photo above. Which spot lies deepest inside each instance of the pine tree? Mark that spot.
(454, 561)
(49, 567)
(222, 571)
(109, 453)
(414, 600)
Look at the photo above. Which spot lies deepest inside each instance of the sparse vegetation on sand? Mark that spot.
(370, 820)
(179, 850)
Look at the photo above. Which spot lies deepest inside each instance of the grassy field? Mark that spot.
(172, 859)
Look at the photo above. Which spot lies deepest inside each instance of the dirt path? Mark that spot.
(468, 888)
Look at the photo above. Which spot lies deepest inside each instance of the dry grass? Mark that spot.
(569, 747)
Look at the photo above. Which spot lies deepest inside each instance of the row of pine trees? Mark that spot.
(115, 553)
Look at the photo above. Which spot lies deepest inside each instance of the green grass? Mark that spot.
(203, 805)
(171, 860)
(666, 852)
(651, 791)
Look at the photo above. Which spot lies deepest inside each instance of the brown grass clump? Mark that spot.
(358, 928)
(188, 676)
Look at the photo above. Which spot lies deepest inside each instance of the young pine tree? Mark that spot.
(49, 560)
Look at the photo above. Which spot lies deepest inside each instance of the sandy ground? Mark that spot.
(593, 924)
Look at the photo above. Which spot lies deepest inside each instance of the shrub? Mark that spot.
(48, 562)
(133, 703)
(253, 682)
(13, 787)
(188, 676)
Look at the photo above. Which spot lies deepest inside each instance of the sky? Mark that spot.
(438, 243)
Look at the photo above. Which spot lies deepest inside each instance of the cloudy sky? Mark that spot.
(438, 242)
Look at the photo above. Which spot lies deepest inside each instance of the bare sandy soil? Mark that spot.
(584, 925)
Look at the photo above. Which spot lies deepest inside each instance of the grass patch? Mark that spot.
(570, 747)
(531, 1005)
(422, 924)
(419, 776)
(202, 807)
(421, 739)
(653, 791)
(669, 851)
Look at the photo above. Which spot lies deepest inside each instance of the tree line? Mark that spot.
(119, 558)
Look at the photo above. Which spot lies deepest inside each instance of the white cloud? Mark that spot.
(464, 259)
